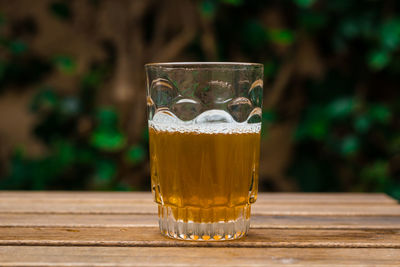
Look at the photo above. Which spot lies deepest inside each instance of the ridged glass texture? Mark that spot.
(204, 130)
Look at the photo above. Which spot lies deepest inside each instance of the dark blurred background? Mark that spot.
(72, 88)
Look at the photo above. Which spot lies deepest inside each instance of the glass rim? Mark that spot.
(204, 65)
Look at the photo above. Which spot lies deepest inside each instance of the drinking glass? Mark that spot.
(204, 133)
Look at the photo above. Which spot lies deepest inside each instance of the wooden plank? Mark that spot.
(267, 198)
(151, 220)
(136, 207)
(326, 198)
(78, 220)
(76, 207)
(141, 203)
(150, 236)
(148, 256)
(71, 195)
(327, 210)
(326, 222)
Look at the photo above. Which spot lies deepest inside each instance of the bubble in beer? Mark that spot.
(186, 109)
(256, 93)
(240, 108)
(165, 116)
(162, 92)
(209, 122)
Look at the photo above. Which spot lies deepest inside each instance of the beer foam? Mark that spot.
(209, 122)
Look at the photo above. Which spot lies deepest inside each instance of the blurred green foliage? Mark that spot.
(348, 131)
(347, 138)
(84, 141)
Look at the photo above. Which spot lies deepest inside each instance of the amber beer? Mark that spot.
(204, 176)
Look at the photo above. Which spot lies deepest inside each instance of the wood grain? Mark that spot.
(178, 256)
(150, 236)
(128, 197)
(151, 220)
(120, 229)
(141, 203)
(151, 208)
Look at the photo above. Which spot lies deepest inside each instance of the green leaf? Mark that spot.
(340, 108)
(315, 124)
(65, 152)
(107, 140)
(45, 100)
(280, 36)
(107, 135)
(349, 145)
(107, 116)
(65, 64)
(319, 129)
(376, 174)
(390, 33)
(208, 8)
(18, 47)
(269, 116)
(106, 170)
(313, 128)
(92, 79)
(378, 59)
(362, 124)
(304, 3)
(104, 175)
(135, 154)
(380, 113)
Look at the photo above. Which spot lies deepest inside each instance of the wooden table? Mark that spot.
(120, 229)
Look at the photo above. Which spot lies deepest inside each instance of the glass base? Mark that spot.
(217, 231)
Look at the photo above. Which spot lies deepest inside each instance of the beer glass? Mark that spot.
(204, 133)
